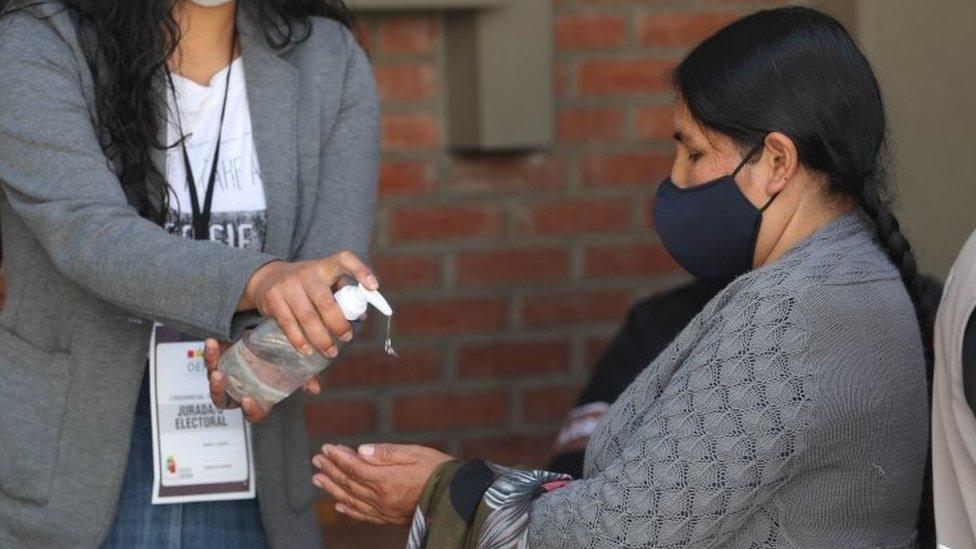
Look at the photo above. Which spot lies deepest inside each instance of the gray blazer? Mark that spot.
(86, 275)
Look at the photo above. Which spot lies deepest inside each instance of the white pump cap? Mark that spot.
(353, 300)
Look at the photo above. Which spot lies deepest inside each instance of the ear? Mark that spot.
(781, 160)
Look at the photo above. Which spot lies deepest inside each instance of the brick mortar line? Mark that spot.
(529, 197)
(453, 442)
(552, 285)
(535, 289)
(400, 106)
(653, 99)
(565, 335)
(641, 237)
(675, 6)
(497, 243)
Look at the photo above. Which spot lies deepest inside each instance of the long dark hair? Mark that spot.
(797, 71)
(133, 40)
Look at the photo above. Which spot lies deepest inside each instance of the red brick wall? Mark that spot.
(510, 272)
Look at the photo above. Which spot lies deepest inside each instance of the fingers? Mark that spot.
(357, 515)
(313, 386)
(351, 465)
(387, 454)
(350, 486)
(351, 265)
(368, 489)
(218, 395)
(310, 321)
(218, 391)
(327, 308)
(252, 411)
(279, 309)
(299, 297)
(363, 511)
(216, 378)
(211, 354)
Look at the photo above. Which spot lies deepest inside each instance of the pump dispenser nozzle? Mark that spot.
(353, 300)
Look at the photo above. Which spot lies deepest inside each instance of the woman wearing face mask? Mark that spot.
(179, 167)
(792, 411)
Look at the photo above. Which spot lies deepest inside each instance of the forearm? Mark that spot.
(124, 260)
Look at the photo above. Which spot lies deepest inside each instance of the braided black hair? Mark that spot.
(876, 204)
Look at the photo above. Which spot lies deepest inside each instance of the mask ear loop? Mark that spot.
(752, 152)
(768, 203)
(745, 160)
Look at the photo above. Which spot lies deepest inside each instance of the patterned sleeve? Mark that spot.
(691, 454)
(697, 473)
(478, 504)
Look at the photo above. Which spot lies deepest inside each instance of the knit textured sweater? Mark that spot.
(791, 412)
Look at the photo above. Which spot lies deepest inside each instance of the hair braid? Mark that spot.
(876, 205)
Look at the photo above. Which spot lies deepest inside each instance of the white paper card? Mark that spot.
(200, 452)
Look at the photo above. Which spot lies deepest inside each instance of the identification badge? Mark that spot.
(200, 452)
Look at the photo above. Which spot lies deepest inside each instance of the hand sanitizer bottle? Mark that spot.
(265, 366)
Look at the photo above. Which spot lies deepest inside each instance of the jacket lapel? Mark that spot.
(272, 94)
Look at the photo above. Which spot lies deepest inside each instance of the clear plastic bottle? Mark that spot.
(265, 366)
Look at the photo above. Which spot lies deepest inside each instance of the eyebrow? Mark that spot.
(686, 139)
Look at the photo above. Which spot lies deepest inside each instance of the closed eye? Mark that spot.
(682, 141)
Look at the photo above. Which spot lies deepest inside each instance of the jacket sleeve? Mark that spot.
(345, 203)
(58, 180)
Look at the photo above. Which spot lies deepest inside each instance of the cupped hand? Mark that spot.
(381, 483)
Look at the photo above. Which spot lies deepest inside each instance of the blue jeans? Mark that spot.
(141, 525)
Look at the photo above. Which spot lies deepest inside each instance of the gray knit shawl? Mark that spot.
(791, 412)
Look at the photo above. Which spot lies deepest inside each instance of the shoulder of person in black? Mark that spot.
(651, 325)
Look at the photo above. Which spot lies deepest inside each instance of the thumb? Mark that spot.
(385, 454)
(353, 266)
(211, 354)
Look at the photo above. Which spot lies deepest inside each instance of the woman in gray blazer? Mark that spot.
(113, 116)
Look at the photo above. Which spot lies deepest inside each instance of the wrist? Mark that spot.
(251, 296)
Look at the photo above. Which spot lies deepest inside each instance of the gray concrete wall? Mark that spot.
(925, 56)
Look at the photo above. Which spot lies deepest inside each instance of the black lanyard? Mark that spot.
(201, 218)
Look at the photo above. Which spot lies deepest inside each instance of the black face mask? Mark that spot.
(710, 229)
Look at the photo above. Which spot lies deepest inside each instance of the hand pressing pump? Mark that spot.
(265, 366)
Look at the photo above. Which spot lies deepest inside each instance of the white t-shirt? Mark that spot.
(238, 216)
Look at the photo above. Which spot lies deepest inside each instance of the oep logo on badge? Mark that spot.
(194, 362)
